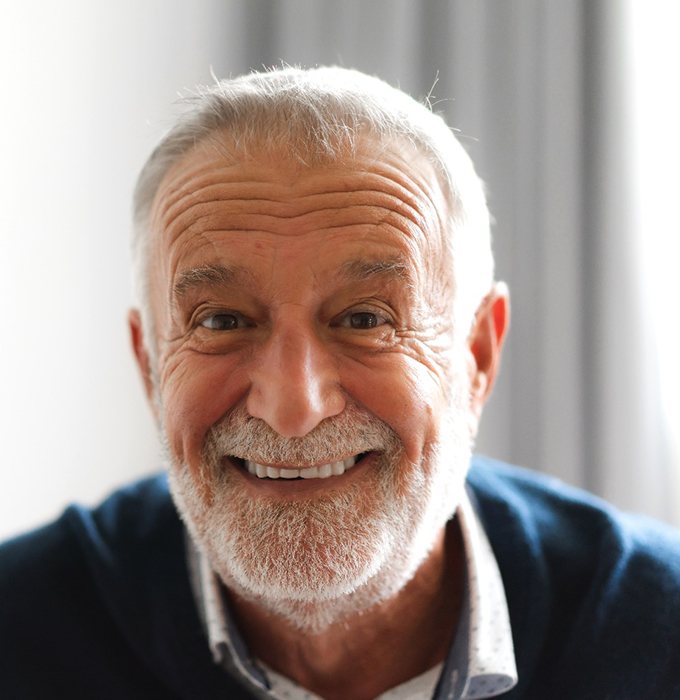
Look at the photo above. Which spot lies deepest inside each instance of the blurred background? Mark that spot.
(569, 109)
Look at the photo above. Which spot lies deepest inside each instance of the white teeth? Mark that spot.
(323, 471)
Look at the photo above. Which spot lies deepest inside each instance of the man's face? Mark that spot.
(313, 396)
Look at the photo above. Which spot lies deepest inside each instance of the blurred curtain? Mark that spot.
(538, 92)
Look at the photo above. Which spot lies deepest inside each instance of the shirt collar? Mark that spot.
(480, 663)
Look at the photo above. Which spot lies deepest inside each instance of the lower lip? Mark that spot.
(299, 487)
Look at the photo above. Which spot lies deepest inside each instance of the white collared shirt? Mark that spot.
(480, 662)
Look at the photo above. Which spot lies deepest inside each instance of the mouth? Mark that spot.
(321, 471)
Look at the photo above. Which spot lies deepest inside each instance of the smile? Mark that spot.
(322, 471)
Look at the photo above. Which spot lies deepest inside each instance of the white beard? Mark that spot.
(315, 562)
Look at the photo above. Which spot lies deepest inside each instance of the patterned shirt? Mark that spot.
(480, 662)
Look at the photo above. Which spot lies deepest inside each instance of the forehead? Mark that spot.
(380, 199)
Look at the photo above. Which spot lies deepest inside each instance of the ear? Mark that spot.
(141, 354)
(485, 344)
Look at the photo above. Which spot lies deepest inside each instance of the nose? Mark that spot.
(294, 381)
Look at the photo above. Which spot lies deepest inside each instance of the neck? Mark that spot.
(368, 653)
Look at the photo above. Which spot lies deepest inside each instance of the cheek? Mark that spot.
(196, 391)
(404, 394)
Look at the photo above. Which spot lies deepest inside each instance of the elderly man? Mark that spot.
(319, 329)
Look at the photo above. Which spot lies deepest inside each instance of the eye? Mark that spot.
(362, 320)
(223, 322)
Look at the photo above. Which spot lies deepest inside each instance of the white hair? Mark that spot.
(321, 115)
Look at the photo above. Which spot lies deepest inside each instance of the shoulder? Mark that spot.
(61, 544)
(72, 591)
(126, 519)
(594, 593)
(557, 519)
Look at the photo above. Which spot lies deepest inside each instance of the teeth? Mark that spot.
(323, 471)
(311, 473)
(338, 468)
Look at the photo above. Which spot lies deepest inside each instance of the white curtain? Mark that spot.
(538, 91)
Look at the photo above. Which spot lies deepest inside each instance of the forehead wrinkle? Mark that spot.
(208, 198)
(406, 191)
(229, 215)
(425, 191)
(415, 188)
(190, 184)
(313, 222)
(253, 192)
(185, 175)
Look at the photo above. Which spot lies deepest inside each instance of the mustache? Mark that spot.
(351, 432)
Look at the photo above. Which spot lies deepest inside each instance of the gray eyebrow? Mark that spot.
(213, 274)
(355, 270)
(360, 270)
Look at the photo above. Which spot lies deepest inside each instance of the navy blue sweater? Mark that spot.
(98, 604)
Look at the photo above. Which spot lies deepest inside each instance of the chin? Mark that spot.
(314, 562)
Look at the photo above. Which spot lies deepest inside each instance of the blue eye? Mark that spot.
(223, 322)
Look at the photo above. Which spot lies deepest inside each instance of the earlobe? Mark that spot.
(486, 344)
(141, 353)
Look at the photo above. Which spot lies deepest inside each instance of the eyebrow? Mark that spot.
(360, 270)
(206, 275)
(223, 275)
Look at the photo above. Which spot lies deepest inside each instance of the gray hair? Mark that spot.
(321, 115)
